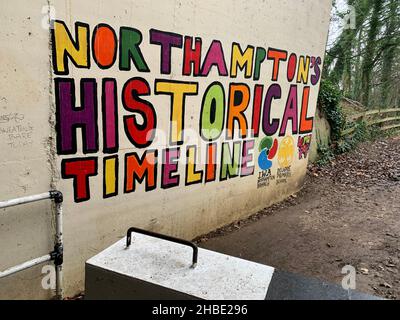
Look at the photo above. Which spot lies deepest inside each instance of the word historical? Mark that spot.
(238, 112)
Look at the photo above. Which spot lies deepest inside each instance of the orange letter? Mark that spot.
(306, 124)
(277, 56)
(239, 97)
(139, 169)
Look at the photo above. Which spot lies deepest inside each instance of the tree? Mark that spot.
(389, 52)
(364, 60)
(370, 50)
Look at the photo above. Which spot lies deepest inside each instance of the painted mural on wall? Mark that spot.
(232, 144)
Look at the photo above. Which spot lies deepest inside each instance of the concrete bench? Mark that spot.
(153, 268)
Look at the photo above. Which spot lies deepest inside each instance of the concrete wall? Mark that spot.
(321, 134)
(37, 145)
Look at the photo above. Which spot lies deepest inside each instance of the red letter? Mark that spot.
(80, 169)
(141, 135)
(191, 56)
(211, 162)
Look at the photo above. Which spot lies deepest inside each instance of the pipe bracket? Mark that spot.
(57, 196)
(58, 254)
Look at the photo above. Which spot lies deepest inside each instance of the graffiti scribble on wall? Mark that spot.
(230, 116)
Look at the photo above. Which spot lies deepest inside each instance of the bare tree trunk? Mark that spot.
(370, 50)
(389, 53)
(357, 76)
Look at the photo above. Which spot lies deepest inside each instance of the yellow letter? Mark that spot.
(178, 90)
(243, 60)
(64, 46)
(192, 176)
(304, 69)
(110, 176)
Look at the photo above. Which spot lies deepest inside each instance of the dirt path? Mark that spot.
(348, 213)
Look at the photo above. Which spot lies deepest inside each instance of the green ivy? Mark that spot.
(329, 101)
(344, 145)
(325, 155)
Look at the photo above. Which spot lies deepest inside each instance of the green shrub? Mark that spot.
(325, 155)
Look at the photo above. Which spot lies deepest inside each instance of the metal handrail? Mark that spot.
(164, 237)
(57, 254)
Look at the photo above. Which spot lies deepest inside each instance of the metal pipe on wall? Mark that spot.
(59, 246)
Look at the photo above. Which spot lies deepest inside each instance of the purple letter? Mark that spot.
(315, 62)
(290, 111)
(166, 40)
(274, 92)
(69, 117)
(170, 166)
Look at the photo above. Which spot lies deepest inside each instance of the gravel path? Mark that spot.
(348, 213)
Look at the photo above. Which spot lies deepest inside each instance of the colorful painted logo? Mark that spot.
(268, 148)
(286, 152)
(303, 144)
